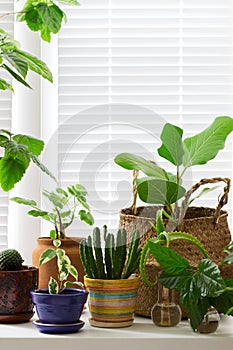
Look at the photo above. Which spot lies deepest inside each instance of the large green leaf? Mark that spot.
(130, 161)
(17, 151)
(151, 190)
(172, 147)
(36, 65)
(16, 76)
(17, 62)
(51, 15)
(11, 172)
(47, 255)
(33, 145)
(169, 260)
(197, 311)
(209, 278)
(201, 148)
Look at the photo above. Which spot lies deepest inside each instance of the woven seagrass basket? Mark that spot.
(209, 225)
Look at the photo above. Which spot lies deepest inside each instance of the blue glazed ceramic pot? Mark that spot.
(65, 307)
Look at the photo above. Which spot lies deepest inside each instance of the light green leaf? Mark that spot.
(11, 172)
(47, 255)
(159, 222)
(73, 271)
(204, 191)
(4, 85)
(24, 201)
(41, 166)
(57, 243)
(86, 217)
(69, 2)
(133, 162)
(36, 65)
(201, 148)
(151, 190)
(33, 19)
(172, 147)
(33, 145)
(38, 213)
(53, 286)
(69, 284)
(17, 62)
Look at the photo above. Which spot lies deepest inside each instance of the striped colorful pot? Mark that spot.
(112, 303)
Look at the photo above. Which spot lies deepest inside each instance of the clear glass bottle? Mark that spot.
(210, 322)
(165, 313)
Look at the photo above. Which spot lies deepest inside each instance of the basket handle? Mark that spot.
(221, 202)
(134, 204)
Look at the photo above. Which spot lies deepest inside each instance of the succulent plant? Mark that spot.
(10, 260)
(113, 261)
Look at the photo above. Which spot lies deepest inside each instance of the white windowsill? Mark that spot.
(142, 334)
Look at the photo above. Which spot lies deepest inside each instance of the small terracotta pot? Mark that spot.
(15, 300)
(71, 246)
(112, 302)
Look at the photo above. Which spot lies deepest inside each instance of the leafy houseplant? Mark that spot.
(43, 16)
(58, 304)
(109, 277)
(16, 282)
(18, 152)
(165, 188)
(65, 209)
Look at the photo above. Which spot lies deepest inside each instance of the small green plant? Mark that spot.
(64, 268)
(10, 260)
(19, 151)
(113, 261)
(65, 204)
(200, 287)
(164, 188)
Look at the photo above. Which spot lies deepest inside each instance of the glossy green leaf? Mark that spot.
(53, 286)
(87, 217)
(151, 190)
(209, 278)
(172, 147)
(201, 148)
(47, 255)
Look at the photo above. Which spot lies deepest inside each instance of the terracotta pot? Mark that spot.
(112, 303)
(15, 300)
(71, 246)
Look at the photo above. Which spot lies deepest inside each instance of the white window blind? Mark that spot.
(125, 67)
(7, 24)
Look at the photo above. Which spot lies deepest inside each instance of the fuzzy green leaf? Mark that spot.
(151, 190)
(11, 172)
(201, 148)
(172, 147)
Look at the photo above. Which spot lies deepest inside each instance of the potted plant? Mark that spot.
(16, 282)
(201, 287)
(109, 277)
(59, 308)
(65, 209)
(166, 190)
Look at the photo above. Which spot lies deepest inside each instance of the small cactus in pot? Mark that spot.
(10, 260)
(110, 277)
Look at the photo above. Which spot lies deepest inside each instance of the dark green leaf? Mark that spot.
(33, 145)
(33, 20)
(17, 62)
(151, 190)
(133, 162)
(209, 278)
(51, 15)
(201, 148)
(159, 222)
(169, 260)
(197, 311)
(16, 76)
(38, 213)
(172, 281)
(172, 147)
(24, 201)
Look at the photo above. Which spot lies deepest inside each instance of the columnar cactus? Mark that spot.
(113, 261)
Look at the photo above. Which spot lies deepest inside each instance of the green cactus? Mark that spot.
(10, 260)
(116, 263)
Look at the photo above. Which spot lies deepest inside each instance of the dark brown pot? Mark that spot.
(15, 300)
(71, 246)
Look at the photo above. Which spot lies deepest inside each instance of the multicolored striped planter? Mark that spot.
(112, 302)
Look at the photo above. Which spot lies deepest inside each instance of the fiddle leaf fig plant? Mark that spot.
(163, 188)
(65, 204)
(200, 287)
(18, 152)
(64, 268)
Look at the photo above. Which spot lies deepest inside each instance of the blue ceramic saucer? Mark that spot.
(58, 328)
